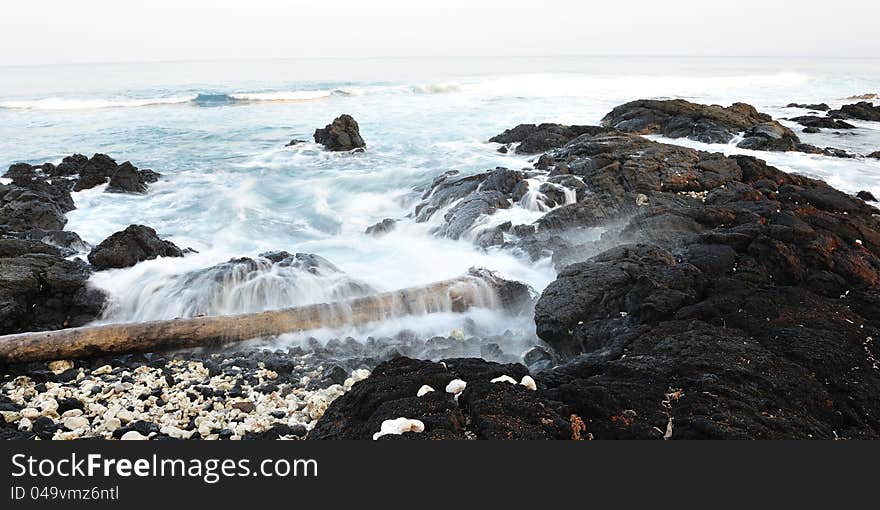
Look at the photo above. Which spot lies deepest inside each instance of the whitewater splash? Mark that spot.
(61, 103)
(244, 285)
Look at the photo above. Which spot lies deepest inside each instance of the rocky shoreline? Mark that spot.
(698, 296)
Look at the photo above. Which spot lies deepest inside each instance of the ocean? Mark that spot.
(217, 132)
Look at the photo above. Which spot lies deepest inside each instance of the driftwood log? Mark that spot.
(479, 288)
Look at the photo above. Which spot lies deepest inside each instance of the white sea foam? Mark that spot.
(61, 103)
(283, 96)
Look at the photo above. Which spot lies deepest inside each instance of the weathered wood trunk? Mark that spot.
(479, 289)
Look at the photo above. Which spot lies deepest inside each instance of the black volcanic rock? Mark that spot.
(94, 172)
(822, 122)
(533, 139)
(128, 179)
(862, 110)
(704, 123)
(24, 209)
(381, 228)
(68, 242)
(130, 246)
(820, 107)
(682, 119)
(343, 134)
(743, 303)
(484, 410)
(476, 195)
(41, 290)
(867, 196)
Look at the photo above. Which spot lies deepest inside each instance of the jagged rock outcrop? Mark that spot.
(744, 307)
(819, 107)
(41, 290)
(817, 122)
(705, 123)
(534, 139)
(863, 110)
(343, 134)
(130, 246)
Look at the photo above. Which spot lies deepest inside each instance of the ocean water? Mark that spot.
(217, 132)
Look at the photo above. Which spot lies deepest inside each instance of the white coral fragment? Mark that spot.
(455, 386)
(399, 426)
(529, 383)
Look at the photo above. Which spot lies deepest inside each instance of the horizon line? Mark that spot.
(404, 57)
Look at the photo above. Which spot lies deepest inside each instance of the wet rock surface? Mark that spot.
(705, 123)
(381, 228)
(863, 110)
(534, 139)
(343, 134)
(471, 197)
(41, 290)
(130, 246)
(39, 195)
(819, 107)
(815, 121)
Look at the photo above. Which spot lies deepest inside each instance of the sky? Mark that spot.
(80, 31)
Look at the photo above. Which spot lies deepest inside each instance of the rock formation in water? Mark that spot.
(128, 247)
(343, 134)
(814, 121)
(381, 228)
(707, 123)
(39, 196)
(862, 110)
(534, 139)
(819, 107)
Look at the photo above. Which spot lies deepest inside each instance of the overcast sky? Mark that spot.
(68, 31)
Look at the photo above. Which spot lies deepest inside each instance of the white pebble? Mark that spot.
(125, 416)
(60, 366)
(455, 386)
(424, 390)
(10, 416)
(71, 413)
(399, 426)
(76, 422)
(176, 432)
(112, 424)
(133, 435)
(504, 378)
(48, 405)
(29, 413)
(103, 370)
(529, 383)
